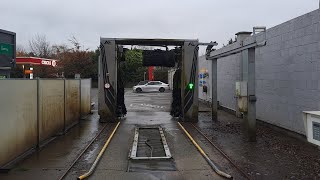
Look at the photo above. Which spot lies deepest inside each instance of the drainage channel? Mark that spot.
(150, 151)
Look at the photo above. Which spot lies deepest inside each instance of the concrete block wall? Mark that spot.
(228, 74)
(287, 73)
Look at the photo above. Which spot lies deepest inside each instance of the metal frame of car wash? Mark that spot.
(246, 94)
(110, 57)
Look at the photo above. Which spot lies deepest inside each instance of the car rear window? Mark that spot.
(142, 82)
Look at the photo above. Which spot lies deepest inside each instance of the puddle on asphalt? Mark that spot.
(147, 106)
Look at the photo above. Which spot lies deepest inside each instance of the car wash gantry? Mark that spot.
(152, 140)
(183, 57)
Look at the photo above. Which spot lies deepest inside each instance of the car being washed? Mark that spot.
(151, 86)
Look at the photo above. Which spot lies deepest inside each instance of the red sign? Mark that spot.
(45, 62)
(53, 63)
(150, 72)
(36, 61)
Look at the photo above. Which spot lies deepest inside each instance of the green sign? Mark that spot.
(191, 86)
(6, 49)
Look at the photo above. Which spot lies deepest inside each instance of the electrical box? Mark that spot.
(242, 95)
(241, 89)
(311, 120)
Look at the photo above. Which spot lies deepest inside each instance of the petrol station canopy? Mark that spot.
(36, 61)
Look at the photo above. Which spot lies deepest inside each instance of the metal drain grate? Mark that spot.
(150, 143)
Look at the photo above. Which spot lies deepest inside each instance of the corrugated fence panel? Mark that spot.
(51, 104)
(72, 101)
(85, 96)
(18, 118)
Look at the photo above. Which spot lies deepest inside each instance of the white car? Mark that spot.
(151, 86)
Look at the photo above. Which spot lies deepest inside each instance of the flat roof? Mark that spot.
(148, 42)
(7, 32)
(36, 61)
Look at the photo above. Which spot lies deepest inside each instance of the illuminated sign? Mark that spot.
(54, 63)
(36, 61)
(191, 86)
(6, 49)
(45, 62)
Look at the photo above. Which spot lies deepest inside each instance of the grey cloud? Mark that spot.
(89, 19)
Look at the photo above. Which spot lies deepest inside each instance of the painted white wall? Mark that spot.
(287, 73)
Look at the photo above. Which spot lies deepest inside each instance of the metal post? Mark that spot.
(64, 105)
(182, 84)
(23, 70)
(251, 96)
(214, 90)
(248, 75)
(80, 97)
(38, 114)
(31, 74)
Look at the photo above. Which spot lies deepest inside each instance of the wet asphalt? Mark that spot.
(275, 155)
(144, 109)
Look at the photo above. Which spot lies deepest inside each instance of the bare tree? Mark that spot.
(20, 48)
(20, 51)
(39, 46)
(76, 44)
(58, 49)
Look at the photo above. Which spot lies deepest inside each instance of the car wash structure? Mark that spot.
(245, 89)
(184, 56)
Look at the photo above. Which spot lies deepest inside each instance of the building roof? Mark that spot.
(36, 61)
(148, 42)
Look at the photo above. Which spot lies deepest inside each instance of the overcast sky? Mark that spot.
(88, 20)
